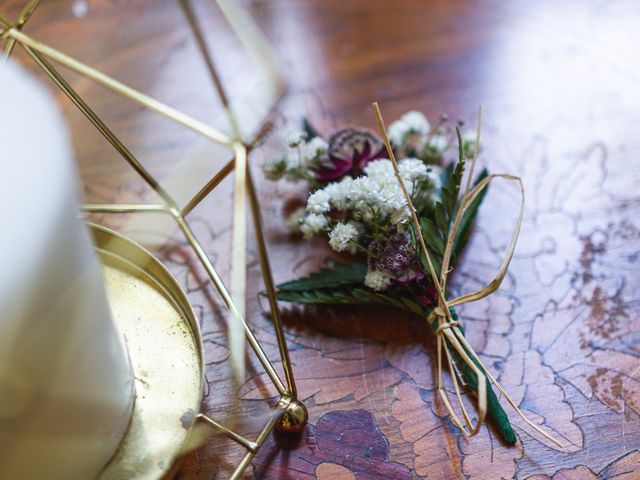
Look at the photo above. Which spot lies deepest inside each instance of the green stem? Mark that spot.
(495, 413)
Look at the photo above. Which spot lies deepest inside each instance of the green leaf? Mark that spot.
(448, 200)
(466, 223)
(309, 130)
(453, 177)
(347, 295)
(461, 157)
(341, 274)
(444, 211)
(436, 260)
(447, 172)
(412, 306)
(317, 296)
(432, 236)
(442, 220)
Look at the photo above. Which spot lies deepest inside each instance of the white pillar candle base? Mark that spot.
(66, 385)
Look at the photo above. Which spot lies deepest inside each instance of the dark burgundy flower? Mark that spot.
(427, 295)
(350, 149)
(397, 256)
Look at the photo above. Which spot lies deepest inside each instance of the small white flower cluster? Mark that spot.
(411, 124)
(412, 135)
(302, 160)
(376, 197)
(313, 224)
(353, 211)
(342, 235)
(377, 280)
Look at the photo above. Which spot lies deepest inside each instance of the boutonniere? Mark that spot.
(405, 214)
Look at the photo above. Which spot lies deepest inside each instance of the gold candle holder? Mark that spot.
(129, 262)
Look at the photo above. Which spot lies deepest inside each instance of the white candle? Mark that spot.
(66, 386)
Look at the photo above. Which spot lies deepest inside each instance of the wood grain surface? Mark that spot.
(560, 85)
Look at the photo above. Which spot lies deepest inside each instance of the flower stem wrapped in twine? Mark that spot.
(444, 320)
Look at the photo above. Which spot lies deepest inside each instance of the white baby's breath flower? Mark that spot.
(439, 143)
(341, 236)
(396, 132)
(319, 202)
(275, 167)
(339, 193)
(312, 225)
(315, 149)
(416, 122)
(296, 219)
(294, 162)
(363, 189)
(377, 280)
(411, 123)
(469, 136)
(469, 142)
(390, 196)
(412, 170)
(379, 168)
(295, 138)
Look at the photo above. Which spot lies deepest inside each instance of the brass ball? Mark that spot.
(293, 419)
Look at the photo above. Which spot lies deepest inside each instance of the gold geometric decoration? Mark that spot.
(291, 414)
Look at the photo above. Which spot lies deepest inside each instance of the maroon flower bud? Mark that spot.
(350, 150)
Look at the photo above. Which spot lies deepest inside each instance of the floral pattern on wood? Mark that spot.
(342, 445)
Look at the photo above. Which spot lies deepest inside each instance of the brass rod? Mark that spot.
(210, 185)
(4, 32)
(239, 256)
(253, 39)
(248, 444)
(25, 14)
(124, 208)
(246, 460)
(269, 285)
(99, 124)
(187, 8)
(242, 466)
(217, 282)
(118, 87)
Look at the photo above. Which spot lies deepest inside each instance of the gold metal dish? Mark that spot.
(163, 338)
(164, 343)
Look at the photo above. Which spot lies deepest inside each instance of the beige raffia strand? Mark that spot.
(448, 330)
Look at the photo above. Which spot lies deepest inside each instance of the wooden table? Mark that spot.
(559, 85)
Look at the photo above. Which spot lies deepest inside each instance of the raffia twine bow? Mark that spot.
(447, 328)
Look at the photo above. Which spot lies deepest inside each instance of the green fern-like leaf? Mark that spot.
(458, 171)
(466, 223)
(340, 274)
(346, 295)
